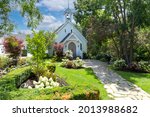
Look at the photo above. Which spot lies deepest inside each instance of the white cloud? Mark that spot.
(56, 5)
(49, 23)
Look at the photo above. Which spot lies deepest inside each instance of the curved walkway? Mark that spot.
(116, 87)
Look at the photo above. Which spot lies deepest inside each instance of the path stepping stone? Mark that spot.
(116, 87)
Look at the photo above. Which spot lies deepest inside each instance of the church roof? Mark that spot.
(59, 28)
(65, 37)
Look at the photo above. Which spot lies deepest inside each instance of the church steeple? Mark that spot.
(68, 13)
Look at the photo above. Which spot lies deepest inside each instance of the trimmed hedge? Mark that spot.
(59, 93)
(9, 89)
(13, 80)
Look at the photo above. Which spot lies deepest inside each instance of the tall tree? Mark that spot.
(27, 8)
(96, 26)
(127, 16)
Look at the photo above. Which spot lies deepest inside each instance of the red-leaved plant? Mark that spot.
(13, 46)
(58, 48)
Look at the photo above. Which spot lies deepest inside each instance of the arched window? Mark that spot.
(81, 46)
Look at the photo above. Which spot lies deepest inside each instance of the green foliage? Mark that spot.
(28, 9)
(37, 46)
(116, 20)
(4, 62)
(13, 80)
(51, 67)
(119, 64)
(144, 66)
(24, 53)
(57, 93)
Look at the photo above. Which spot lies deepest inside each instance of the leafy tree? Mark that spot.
(37, 46)
(126, 16)
(143, 44)
(96, 26)
(27, 8)
(13, 46)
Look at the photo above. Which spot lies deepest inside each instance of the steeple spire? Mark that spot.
(68, 4)
(68, 13)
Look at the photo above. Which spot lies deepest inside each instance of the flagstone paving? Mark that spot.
(116, 87)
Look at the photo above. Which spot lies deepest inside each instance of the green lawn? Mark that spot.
(82, 77)
(140, 79)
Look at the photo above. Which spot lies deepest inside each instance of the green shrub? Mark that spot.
(51, 67)
(4, 62)
(57, 93)
(144, 66)
(13, 80)
(119, 64)
(24, 53)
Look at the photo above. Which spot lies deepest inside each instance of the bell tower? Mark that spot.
(68, 13)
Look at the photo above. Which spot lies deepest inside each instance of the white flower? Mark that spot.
(37, 86)
(50, 80)
(47, 83)
(42, 85)
(45, 79)
(40, 78)
(29, 87)
(35, 83)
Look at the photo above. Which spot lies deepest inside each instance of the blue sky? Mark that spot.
(53, 15)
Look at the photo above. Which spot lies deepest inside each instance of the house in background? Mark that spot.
(71, 37)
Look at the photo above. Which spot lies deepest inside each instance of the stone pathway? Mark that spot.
(116, 87)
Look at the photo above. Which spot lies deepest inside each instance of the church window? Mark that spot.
(65, 30)
(71, 30)
(80, 46)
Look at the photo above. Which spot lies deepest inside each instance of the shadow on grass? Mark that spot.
(134, 77)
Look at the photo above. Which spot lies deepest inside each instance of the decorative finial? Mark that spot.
(68, 4)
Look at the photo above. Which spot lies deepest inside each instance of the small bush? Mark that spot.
(51, 67)
(4, 62)
(69, 64)
(24, 53)
(144, 66)
(22, 61)
(120, 64)
(78, 63)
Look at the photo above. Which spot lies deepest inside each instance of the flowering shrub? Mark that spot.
(78, 63)
(44, 82)
(13, 46)
(69, 54)
(120, 64)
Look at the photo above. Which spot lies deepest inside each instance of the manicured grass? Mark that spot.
(83, 76)
(140, 79)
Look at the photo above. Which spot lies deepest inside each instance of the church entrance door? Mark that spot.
(72, 47)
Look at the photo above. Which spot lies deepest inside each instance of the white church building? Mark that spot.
(71, 37)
